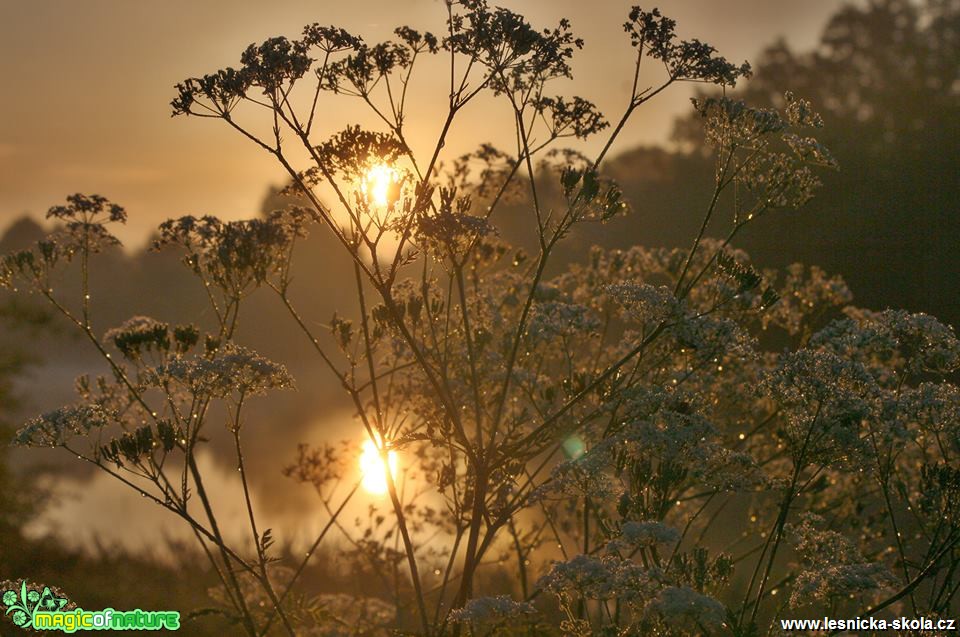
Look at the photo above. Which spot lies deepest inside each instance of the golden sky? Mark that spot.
(87, 86)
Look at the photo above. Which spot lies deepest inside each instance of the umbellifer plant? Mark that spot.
(621, 437)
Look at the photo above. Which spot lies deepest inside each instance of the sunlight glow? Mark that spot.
(381, 185)
(372, 469)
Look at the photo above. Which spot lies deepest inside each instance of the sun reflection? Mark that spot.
(381, 185)
(372, 470)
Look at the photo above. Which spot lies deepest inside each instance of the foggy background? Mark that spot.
(86, 109)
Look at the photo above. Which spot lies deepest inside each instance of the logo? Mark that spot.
(43, 608)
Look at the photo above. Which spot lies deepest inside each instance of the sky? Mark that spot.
(87, 86)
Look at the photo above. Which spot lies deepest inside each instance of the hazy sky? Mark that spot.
(87, 85)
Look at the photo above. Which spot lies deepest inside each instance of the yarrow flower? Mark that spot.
(834, 568)
(552, 319)
(644, 303)
(803, 292)
(644, 534)
(234, 369)
(684, 608)
(820, 392)
(916, 343)
(602, 578)
(839, 581)
(57, 427)
(492, 610)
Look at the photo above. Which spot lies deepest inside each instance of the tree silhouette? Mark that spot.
(886, 76)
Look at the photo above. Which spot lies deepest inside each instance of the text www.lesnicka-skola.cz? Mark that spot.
(869, 623)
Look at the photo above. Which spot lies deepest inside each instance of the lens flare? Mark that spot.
(373, 471)
(381, 185)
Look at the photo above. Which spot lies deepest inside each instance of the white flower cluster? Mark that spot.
(606, 577)
(578, 477)
(915, 343)
(711, 336)
(552, 319)
(683, 608)
(838, 581)
(689, 441)
(833, 567)
(819, 391)
(234, 369)
(56, 427)
(814, 544)
(644, 534)
(934, 407)
(646, 592)
(805, 291)
(644, 303)
(492, 610)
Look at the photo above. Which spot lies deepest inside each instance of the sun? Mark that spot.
(381, 185)
(373, 472)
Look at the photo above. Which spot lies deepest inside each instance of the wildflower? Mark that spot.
(329, 39)
(684, 608)
(515, 54)
(728, 470)
(237, 254)
(645, 534)
(579, 117)
(685, 60)
(915, 343)
(599, 578)
(451, 230)
(815, 544)
(274, 63)
(711, 336)
(823, 394)
(803, 293)
(838, 581)
(556, 319)
(644, 303)
(57, 427)
(584, 475)
(139, 333)
(352, 151)
(492, 610)
(776, 178)
(234, 369)
(834, 568)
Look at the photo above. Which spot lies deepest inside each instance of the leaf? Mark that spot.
(47, 596)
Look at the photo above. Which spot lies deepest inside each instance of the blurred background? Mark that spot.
(87, 110)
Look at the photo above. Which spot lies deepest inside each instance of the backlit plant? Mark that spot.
(650, 441)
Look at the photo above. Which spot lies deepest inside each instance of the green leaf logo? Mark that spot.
(21, 605)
